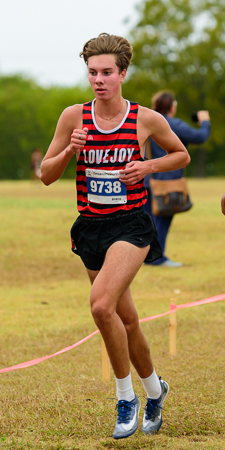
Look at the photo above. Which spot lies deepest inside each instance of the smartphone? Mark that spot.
(194, 117)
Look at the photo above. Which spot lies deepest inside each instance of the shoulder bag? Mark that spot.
(168, 197)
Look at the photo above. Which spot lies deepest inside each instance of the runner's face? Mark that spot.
(104, 76)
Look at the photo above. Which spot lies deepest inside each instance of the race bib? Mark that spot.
(104, 186)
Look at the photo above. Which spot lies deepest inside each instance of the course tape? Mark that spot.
(173, 308)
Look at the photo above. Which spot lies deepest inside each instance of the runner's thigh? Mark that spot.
(120, 266)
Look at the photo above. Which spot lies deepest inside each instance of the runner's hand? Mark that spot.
(133, 173)
(78, 140)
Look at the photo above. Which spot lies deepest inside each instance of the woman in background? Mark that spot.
(164, 103)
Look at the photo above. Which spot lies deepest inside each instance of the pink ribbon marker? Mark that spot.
(33, 362)
(173, 308)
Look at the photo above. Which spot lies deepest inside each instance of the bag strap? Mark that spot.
(148, 148)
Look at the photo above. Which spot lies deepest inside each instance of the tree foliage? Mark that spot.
(180, 45)
(28, 117)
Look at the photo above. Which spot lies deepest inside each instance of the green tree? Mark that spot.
(28, 117)
(180, 45)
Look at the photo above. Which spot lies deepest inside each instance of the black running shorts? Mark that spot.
(92, 236)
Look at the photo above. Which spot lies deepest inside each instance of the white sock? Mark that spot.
(124, 388)
(152, 386)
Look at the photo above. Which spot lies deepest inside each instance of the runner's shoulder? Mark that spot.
(147, 116)
(72, 115)
(73, 111)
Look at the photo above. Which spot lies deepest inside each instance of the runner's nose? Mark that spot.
(98, 78)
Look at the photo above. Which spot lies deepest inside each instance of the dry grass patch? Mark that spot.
(62, 403)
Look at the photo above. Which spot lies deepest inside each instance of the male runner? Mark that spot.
(113, 235)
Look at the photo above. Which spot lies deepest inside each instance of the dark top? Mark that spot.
(187, 135)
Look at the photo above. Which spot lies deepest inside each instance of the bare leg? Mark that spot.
(137, 344)
(110, 286)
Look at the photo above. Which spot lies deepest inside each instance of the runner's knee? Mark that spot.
(131, 326)
(101, 311)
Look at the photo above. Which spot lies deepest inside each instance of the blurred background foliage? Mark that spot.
(28, 117)
(178, 45)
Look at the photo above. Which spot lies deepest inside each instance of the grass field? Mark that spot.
(62, 403)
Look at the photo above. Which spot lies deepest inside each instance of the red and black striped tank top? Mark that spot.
(109, 150)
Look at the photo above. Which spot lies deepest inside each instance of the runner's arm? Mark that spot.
(223, 204)
(155, 125)
(64, 146)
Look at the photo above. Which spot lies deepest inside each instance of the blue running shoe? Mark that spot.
(152, 419)
(127, 418)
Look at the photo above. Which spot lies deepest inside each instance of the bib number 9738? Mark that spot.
(105, 187)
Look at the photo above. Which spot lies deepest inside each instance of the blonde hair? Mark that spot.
(109, 44)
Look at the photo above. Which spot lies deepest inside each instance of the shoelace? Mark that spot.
(151, 408)
(124, 409)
